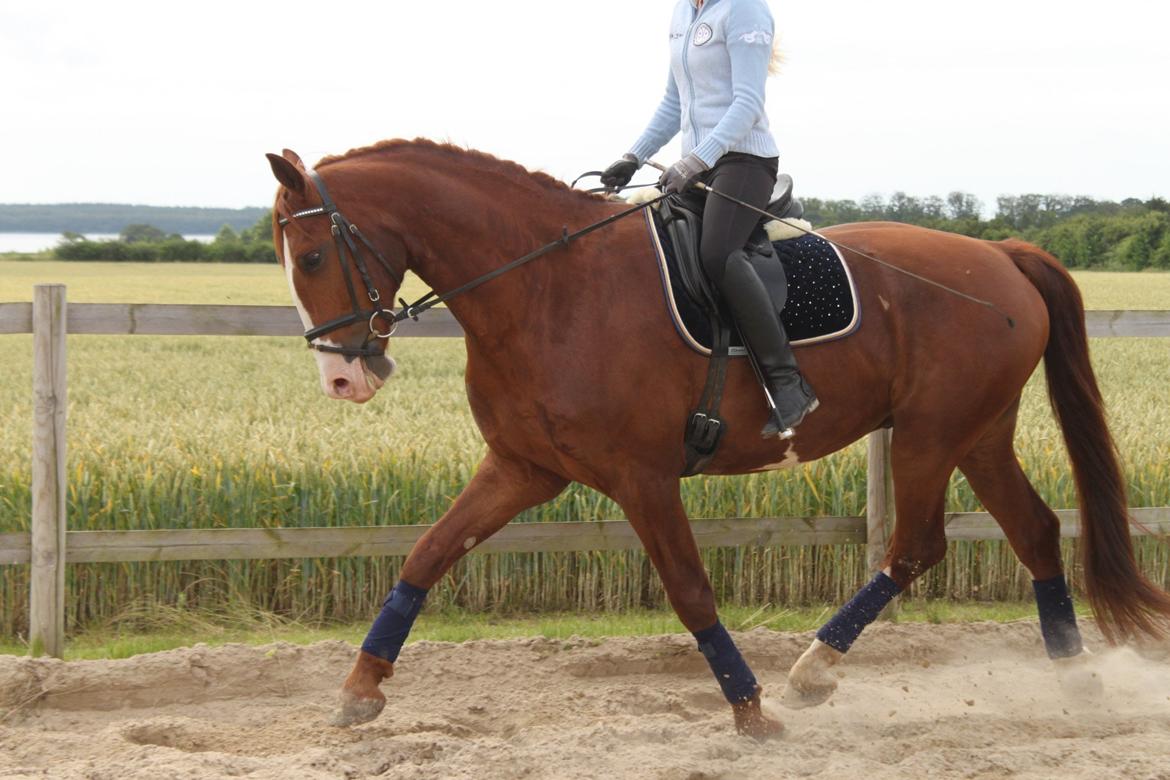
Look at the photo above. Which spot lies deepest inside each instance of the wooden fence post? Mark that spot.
(47, 581)
(879, 505)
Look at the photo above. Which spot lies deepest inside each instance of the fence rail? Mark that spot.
(48, 548)
(151, 319)
(242, 544)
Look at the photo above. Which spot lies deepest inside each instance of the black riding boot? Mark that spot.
(763, 335)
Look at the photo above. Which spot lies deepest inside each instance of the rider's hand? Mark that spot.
(619, 174)
(682, 174)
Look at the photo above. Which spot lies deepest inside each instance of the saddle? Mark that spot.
(809, 284)
(682, 219)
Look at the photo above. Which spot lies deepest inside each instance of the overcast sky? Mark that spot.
(176, 103)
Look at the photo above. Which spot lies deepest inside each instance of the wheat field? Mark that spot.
(204, 432)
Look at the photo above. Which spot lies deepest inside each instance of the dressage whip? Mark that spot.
(988, 304)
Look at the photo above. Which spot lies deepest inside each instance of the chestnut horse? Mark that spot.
(576, 373)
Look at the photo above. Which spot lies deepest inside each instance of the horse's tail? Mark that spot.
(1123, 600)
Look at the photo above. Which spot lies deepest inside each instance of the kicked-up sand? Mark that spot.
(915, 701)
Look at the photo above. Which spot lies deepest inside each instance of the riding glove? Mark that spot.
(682, 174)
(619, 174)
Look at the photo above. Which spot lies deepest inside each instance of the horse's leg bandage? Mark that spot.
(731, 671)
(843, 628)
(393, 623)
(1058, 621)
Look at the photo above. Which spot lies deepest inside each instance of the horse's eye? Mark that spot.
(311, 261)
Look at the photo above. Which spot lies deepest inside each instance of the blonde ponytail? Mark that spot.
(777, 61)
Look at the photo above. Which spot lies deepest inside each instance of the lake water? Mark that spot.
(37, 242)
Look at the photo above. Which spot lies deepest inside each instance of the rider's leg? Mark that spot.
(726, 229)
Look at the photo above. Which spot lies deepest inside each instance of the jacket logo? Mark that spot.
(703, 34)
(757, 36)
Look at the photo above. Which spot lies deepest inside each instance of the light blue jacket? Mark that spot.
(719, 58)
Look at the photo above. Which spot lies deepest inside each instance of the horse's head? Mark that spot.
(342, 285)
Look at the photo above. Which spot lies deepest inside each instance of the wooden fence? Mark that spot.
(49, 546)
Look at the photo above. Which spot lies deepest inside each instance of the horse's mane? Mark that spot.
(482, 160)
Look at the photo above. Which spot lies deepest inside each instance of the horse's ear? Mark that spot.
(293, 158)
(287, 174)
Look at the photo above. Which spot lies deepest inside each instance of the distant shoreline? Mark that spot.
(111, 218)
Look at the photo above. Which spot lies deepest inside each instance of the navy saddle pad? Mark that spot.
(822, 299)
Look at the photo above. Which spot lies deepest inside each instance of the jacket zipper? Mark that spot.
(691, 81)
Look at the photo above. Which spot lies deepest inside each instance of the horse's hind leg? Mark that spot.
(654, 509)
(922, 466)
(500, 489)
(1031, 528)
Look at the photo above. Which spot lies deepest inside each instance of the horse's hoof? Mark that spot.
(752, 721)
(360, 699)
(809, 681)
(811, 696)
(355, 711)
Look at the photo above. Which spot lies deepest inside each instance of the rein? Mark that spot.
(925, 280)
(344, 233)
(987, 304)
(432, 299)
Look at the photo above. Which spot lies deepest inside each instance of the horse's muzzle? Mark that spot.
(381, 366)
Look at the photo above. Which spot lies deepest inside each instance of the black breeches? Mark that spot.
(726, 226)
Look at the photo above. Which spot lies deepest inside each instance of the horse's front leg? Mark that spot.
(655, 510)
(500, 489)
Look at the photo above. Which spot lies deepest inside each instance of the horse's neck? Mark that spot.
(483, 223)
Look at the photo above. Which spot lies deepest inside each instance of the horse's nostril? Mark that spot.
(340, 385)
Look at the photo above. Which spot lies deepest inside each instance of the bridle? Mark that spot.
(344, 233)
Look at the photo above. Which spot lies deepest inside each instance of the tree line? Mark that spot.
(1084, 233)
(149, 244)
(1131, 235)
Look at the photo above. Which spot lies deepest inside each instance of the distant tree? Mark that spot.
(873, 206)
(261, 231)
(963, 205)
(933, 207)
(1161, 258)
(904, 208)
(141, 234)
(69, 237)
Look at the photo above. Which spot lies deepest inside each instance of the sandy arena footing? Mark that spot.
(948, 701)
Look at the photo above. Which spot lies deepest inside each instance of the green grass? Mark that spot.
(457, 625)
(205, 432)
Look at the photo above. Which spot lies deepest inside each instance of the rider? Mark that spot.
(720, 57)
